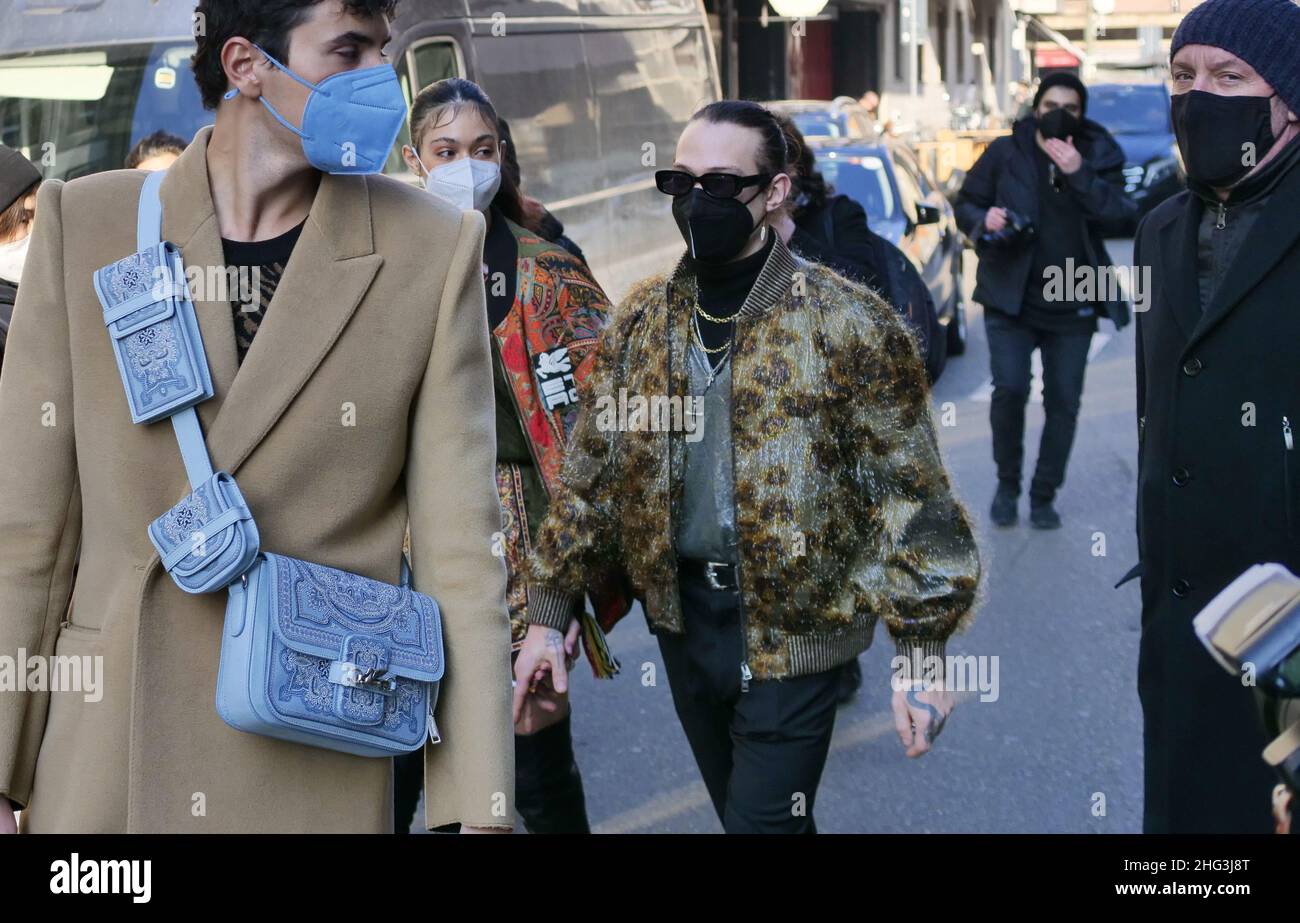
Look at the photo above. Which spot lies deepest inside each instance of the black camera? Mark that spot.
(1018, 233)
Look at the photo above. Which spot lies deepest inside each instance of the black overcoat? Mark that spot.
(1218, 491)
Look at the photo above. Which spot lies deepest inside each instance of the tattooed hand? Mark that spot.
(919, 715)
(542, 674)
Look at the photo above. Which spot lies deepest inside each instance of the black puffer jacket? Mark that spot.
(837, 235)
(1007, 177)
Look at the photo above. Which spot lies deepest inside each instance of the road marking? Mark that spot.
(984, 393)
(695, 796)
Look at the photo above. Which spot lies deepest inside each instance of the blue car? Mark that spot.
(906, 207)
(1137, 114)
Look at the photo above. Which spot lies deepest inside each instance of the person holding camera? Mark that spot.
(1036, 204)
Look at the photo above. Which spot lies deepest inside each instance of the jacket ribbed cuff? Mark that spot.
(914, 661)
(550, 607)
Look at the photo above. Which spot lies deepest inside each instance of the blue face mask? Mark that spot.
(351, 119)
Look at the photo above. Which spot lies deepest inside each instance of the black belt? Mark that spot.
(716, 574)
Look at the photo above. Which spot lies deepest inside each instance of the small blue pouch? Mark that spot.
(208, 539)
(154, 332)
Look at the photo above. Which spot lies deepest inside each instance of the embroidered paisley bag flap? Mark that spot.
(373, 643)
(154, 332)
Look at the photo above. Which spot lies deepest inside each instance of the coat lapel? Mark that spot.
(331, 269)
(1178, 248)
(1274, 233)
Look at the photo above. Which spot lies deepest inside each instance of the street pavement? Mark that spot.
(1058, 751)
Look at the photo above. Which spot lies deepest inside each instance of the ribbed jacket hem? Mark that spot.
(809, 654)
(550, 607)
(912, 660)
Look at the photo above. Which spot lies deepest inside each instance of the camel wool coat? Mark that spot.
(366, 399)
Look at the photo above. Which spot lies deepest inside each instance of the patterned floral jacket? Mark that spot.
(844, 512)
(547, 347)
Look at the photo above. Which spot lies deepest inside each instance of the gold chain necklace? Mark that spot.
(717, 320)
(699, 339)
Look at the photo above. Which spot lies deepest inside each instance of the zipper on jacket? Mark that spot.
(668, 461)
(1223, 216)
(1289, 441)
(745, 673)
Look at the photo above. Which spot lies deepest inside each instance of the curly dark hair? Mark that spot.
(811, 191)
(266, 22)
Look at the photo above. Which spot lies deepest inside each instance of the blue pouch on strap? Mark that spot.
(154, 332)
(208, 539)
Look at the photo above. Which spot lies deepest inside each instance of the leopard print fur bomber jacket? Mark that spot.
(844, 511)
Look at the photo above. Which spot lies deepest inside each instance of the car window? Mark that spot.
(863, 179)
(426, 62)
(77, 113)
(1129, 110)
(818, 125)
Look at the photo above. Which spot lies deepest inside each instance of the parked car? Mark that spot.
(1138, 115)
(821, 120)
(906, 207)
(588, 86)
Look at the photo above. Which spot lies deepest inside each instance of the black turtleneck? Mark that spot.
(724, 288)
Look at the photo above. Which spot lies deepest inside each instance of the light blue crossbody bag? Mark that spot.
(309, 653)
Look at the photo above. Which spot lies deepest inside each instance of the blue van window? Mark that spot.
(169, 98)
(80, 112)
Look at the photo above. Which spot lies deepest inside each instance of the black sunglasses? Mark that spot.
(718, 185)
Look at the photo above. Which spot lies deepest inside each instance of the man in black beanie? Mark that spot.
(19, 180)
(1218, 396)
(1037, 204)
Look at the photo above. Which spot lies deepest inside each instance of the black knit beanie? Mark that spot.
(1263, 33)
(17, 175)
(1070, 82)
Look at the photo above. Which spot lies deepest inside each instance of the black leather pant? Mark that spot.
(761, 752)
(548, 786)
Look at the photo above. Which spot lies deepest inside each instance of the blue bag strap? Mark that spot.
(189, 435)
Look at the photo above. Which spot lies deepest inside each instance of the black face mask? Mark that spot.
(715, 230)
(1222, 137)
(1058, 123)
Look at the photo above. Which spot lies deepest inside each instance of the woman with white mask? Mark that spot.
(545, 315)
(19, 180)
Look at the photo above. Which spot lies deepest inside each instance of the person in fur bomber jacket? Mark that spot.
(803, 500)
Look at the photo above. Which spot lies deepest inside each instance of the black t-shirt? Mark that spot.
(501, 257)
(1062, 236)
(260, 266)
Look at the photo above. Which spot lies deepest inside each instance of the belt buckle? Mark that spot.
(711, 574)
